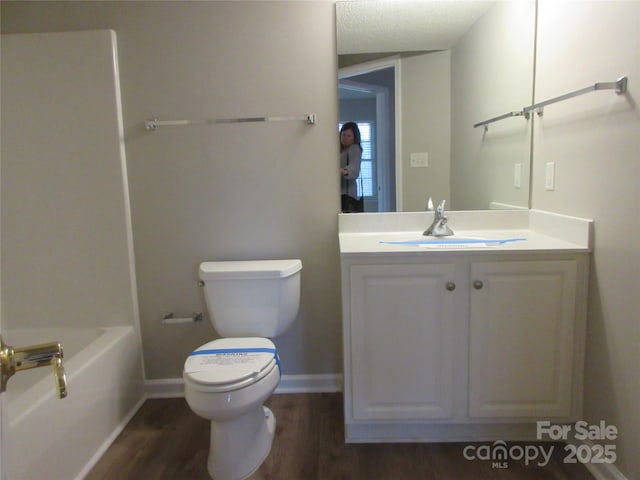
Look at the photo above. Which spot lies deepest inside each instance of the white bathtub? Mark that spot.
(62, 439)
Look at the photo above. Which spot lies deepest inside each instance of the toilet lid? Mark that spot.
(231, 360)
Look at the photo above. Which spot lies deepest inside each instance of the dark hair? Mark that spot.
(353, 126)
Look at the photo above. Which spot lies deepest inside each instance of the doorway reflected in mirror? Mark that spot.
(368, 98)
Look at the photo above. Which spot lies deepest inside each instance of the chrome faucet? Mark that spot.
(439, 227)
(13, 360)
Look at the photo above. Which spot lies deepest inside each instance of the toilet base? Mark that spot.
(238, 447)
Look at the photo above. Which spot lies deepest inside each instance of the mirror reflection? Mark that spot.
(417, 76)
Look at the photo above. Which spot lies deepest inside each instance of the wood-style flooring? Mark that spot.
(165, 440)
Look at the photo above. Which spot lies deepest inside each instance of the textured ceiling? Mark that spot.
(365, 26)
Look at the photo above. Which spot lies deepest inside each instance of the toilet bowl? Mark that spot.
(227, 380)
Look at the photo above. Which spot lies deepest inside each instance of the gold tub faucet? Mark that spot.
(45, 354)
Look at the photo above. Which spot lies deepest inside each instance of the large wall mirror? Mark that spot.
(418, 75)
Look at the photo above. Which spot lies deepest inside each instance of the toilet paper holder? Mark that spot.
(170, 318)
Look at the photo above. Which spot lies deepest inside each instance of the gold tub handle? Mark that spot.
(60, 377)
(45, 354)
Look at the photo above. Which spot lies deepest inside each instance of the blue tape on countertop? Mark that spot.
(453, 241)
(223, 351)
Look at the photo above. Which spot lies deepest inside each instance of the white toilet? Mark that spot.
(227, 380)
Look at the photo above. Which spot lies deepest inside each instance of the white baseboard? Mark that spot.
(164, 388)
(326, 382)
(600, 471)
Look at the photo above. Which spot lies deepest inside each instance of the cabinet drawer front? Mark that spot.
(401, 341)
(521, 338)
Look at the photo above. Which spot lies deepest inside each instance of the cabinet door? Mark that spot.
(401, 341)
(522, 320)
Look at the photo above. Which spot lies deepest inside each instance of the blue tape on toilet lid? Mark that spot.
(227, 360)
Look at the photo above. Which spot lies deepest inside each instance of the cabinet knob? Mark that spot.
(450, 286)
(478, 284)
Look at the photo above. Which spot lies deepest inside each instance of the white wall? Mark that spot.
(360, 109)
(426, 126)
(594, 141)
(223, 192)
(492, 74)
(65, 212)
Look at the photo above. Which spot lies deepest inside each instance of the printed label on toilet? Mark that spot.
(230, 362)
(222, 359)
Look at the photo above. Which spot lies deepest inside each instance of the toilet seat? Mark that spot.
(229, 364)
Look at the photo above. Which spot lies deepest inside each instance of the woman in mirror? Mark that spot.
(350, 156)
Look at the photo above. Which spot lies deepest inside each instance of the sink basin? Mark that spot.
(456, 241)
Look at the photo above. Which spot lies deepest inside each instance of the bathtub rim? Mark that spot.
(20, 406)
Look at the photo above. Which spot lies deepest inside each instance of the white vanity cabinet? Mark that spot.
(447, 346)
(522, 331)
(402, 338)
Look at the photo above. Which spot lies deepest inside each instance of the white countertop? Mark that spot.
(526, 231)
(374, 242)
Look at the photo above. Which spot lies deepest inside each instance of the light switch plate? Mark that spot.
(550, 176)
(420, 159)
(517, 175)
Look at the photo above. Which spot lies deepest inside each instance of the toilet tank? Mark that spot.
(252, 298)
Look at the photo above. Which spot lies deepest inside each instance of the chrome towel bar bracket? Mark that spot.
(619, 86)
(486, 123)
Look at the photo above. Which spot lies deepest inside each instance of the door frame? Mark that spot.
(3, 404)
(381, 95)
(382, 108)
